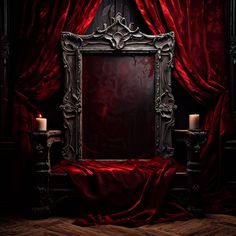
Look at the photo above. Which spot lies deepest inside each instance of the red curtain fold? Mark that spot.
(200, 67)
(39, 67)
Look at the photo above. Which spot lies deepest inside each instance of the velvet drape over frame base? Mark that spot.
(131, 192)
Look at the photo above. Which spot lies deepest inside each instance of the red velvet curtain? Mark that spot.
(39, 67)
(200, 67)
(199, 64)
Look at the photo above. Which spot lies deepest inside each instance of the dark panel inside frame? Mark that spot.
(118, 106)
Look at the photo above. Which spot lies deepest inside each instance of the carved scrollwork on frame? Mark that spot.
(72, 106)
(164, 99)
(117, 38)
(165, 113)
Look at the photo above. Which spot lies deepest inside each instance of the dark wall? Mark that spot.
(9, 170)
(4, 64)
(109, 8)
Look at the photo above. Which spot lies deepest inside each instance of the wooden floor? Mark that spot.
(219, 225)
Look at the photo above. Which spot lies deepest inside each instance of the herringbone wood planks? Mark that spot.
(219, 225)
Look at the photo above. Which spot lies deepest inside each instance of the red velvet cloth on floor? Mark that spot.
(130, 192)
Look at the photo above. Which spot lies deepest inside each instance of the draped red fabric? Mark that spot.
(200, 67)
(39, 67)
(131, 192)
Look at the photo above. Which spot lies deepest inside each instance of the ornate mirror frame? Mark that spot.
(117, 38)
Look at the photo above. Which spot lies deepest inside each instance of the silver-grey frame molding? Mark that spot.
(123, 39)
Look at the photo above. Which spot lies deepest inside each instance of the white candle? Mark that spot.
(194, 121)
(41, 123)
